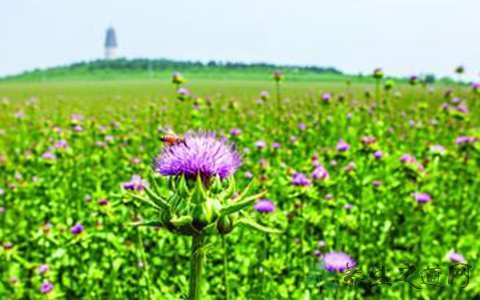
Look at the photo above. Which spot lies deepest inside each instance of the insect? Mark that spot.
(169, 138)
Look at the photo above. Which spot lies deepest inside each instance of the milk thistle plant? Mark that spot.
(198, 171)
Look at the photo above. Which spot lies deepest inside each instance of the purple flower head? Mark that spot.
(462, 140)
(338, 261)
(264, 95)
(302, 126)
(462, 108)
(293, 139)
(376, 183)
(78, 128)
(277, 75)
(19, 115)
(317, 253)
(422, 197)
(46, 287)
(326, 97)
(202, 154)
(342, 146)
(48, 155)
(411, 123)
(42, 269)
(321, 243)
(275, 145)
(348, 206)
(77, 229)
(61, 144)
(183, 92)
(299, 179)
(476, 85)
(2, 209)
(378, 154)
(248, 175)
(260, 144)
(368, 140)
(136, 183)
(328, 197)
(320, 173)
(455, 100)
(235, 132)
(7, 246)
(177, 78)
(76, 118)
(407, 159)
(264, 206)
(455, 257)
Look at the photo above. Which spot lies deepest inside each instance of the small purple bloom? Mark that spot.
(7, 246)
(260, 144)
(407, 159)
(77, 229)
(78, 128)
(376, 183)
(461, 140)
(317, 253)
(248, 175)
(462, 108)
(338, 261)
(61, 144)
(275, 145)
(455, 257)
(264, 206)
(422, 197)
(342, 146)
(48, 156)
(348, 206)
(264, 95)
(321, 243)
(19, 115)
(378, 154)
(293, 139)
(202, 154)
(326, 97)
(320, 173)
(437, 149)
(235, 132)
(368, 140)
(42, 269)
(183, 92)
(46, 287)
(302, 126)
(299, 179)
(136, 183)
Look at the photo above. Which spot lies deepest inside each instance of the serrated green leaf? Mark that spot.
(239, 205)
(254, 225)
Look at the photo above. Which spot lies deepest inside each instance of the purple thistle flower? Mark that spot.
(302, 126)
(326, 97)
(338, 261)
(368, 140)
(321, 243)
(437, 149)
(61, 144)
(235, 132)
(462, 108)
(260, 144)
(264, 206)
(299, 179)
(42, 269)
(348, 206)
(422, 197)
(46, 287)
(264, 95)
(48, 155)
(455, 257)
(7, 246)
(378, 154)
(183, 92)
(77, 229)
(317, 253)
(342, 146)
(78, 128)
(293, 139)
(320, 173)
(276, 145)
(407, 159)
(461, 140)
(376, 183)
(248, 175)
(136, 183)
(200, 155)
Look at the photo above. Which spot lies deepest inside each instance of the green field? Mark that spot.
(365, 207)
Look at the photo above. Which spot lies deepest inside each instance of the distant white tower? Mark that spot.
(110, 44)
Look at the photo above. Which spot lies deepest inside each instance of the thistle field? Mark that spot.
(389, 177)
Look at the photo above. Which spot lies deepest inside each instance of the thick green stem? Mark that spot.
(196, 266)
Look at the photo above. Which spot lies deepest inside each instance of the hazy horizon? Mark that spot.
(402, 36)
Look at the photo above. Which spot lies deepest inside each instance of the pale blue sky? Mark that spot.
(402, 36)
